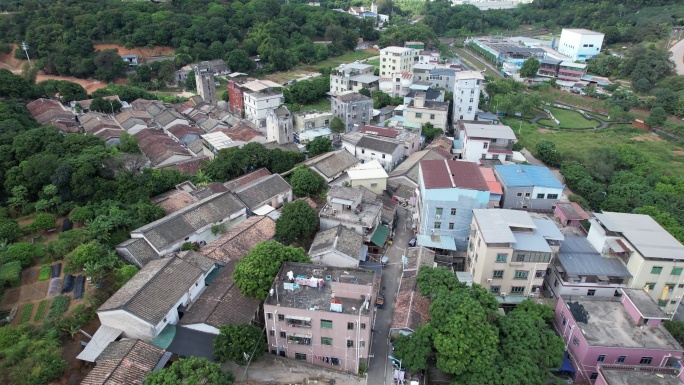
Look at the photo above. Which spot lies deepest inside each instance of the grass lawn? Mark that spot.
(375, 62)
(321, 105)
(668, 154)
(568, 119)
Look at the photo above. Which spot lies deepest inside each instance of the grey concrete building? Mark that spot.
(354, 109)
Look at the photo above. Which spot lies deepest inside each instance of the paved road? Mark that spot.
(379, 371)
(678, 57)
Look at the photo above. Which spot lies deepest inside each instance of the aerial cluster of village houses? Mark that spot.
(471, 202)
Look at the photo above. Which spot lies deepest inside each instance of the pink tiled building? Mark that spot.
(623, 333)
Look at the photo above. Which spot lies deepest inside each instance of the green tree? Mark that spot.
(319, 146)
(12, 85)
(124, 274)
(466, 343)
(430, 132)
(547, 153)
(239, 61)
(43, 221)
(31, 356)
(298, 221)
(128, 143)
(255, 272)
(190, 371)
(657, 117)
(413, 350)
(238, 342)
(190, 81)
(529, 68)
(109, 65)
(106, 106)
(306, 182)
(22, 252)
(337, 126)
(365, 92)
(431, 281)
(676, 328)
(90, 252)
(9, 230)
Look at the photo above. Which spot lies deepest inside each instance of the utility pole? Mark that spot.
(25, 48)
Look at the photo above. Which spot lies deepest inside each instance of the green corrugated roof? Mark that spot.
(380, 236)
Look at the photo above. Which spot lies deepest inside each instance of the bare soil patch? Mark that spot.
(542, 130)
(678, 152)
(141, 51)
(648, 138)
(10, 297)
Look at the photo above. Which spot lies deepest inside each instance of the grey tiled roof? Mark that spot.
(177, 226)
(222, 303)
(168, 116)
(340, 238)
(333, 163)
(262, 190)
(239, 240)
(136, 251)
(374, 143)
(125, 362)
(156, 288)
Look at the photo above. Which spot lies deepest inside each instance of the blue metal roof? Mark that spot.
(517, 175)
(439, 242)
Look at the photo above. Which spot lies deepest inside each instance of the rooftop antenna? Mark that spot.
(25, 47)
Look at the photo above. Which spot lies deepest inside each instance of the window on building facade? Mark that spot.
(495, 289)
(517, 289)
(350, 343)
(519, 194)
(419, 115)
(432, 116)
(271, 333)
(501, 257)
(363, 326)
(451, 225)
(621, 359)
(453, 211)
(326, 324)
(438, 225)
(575, 341)
(651, 285)
(520, 274)
(593, 376)
(527, 195)
(300, 356)
(439, 210)
(646, 360)
(552, 196)
(540, 196)
(350, 326)
(591, 292)
(269, 315)
(601, 358)
(656, 269)
(281, 317)
(485, 145)
(540, 274)
(283, 335)
(497, 274)
(677, 270)
(327, 341)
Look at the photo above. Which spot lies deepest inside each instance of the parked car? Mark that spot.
(412, 242)
(293, 81)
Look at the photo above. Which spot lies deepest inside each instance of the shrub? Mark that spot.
(10, 274)
(21, 252)
(26, 313)
(45, 273)
(40, 312)
(59, 306)
(189, 246)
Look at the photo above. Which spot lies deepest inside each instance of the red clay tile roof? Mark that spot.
(241, 132)
(181, 130)
(452, 174)
(174, 200)
(158, 146)
(412, 309)
(55, 115)
(129, 114)
(239, 240)
(492, 183)
(236, 183)
(380, 131)
(65, 126)
(41, 105)
(190, 166)
(572, 210)
(108, 133)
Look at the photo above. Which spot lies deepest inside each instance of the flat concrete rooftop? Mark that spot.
(303, 296)
(605, 322)
(631, 377)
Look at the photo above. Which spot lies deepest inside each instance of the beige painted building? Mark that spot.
(420, 111)
(509, 251)
(653, 256)
(395, 60)
(370, 175)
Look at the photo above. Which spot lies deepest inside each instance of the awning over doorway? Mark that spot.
(380, 236)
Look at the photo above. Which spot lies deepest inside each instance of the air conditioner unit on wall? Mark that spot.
(503, 294)
(489, 280)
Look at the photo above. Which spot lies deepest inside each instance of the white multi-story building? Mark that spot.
(353, 77)
(395, 60)
(580, 44)
(397, 85)
(279, 126)
(467, 94)
(260, 97)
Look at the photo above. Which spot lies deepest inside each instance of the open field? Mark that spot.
(568, 119)
(321, 105)
(668, 154)
(306, 69)
(141, 51)
(471, 61)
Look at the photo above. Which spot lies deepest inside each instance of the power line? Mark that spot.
(252, 355)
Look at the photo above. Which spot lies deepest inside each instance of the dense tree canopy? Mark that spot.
(298, 221)
(190, 371)
(239, 343)
(306, 182)
(255, 272)
(319, 146)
